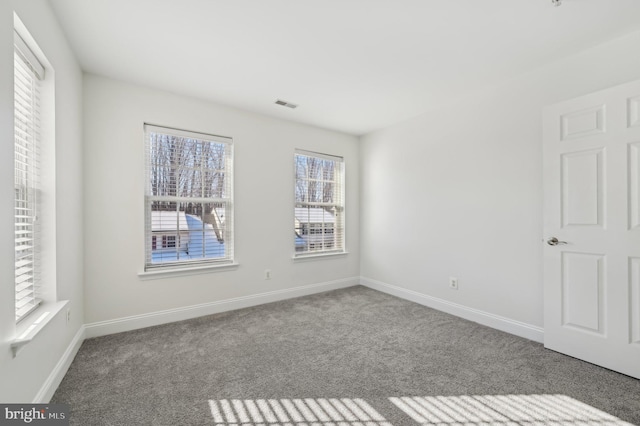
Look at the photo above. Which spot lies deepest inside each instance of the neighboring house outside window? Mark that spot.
(319, 203)
(189, 198)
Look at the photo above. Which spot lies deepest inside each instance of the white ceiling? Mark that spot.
(351, 65)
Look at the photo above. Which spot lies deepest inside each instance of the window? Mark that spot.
(189, 198)
(319, 203)
(169, 241)
(27, 75)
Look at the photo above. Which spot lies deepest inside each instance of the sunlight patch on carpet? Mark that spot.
(503, 410)
(295, 412)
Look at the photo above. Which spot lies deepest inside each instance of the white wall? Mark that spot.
(263, 149)
(22, 378)
(458, 191)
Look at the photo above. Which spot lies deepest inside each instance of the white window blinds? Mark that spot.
(27, 75)
(189, 198)
(319, 203)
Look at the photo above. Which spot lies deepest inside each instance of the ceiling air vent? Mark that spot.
(287, 104)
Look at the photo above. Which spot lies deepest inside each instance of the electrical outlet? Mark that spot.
(453, 283)
(68, 315)
(267, 274)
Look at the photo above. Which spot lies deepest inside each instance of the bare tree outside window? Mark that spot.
(319, 203)
(189, 196)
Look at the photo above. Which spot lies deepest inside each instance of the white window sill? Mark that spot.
(303, 257)
(29, 328)
(180, 272)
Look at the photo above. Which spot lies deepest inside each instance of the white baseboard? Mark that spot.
(518, 328)
(135, 322)
(50, 385)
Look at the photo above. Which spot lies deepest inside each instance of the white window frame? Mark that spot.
(28, 74)
(332, 239)
(162, 238)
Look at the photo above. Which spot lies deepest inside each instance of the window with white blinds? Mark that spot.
(27, 75)
(189, 198)
(319, 203)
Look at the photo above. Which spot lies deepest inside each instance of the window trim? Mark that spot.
(27, 61)
(27, 331)
(32, 325)
(341, 205)
(28, 56)
(197, 266)
(161, 273)
(319, 256)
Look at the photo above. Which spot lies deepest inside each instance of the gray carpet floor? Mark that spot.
(348, 344)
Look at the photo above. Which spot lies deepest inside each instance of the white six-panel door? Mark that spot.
(592, 208)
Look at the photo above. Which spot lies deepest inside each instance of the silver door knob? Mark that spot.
(553, 241)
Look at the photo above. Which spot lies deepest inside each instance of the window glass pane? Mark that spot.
(188, 198)
(319, 210)
(26, 187)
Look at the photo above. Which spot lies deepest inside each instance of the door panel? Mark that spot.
(592, 207)
(634, 186)
(634, 290)
(633, 105)
(582, 188)
(587, 122)
(583, 289)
